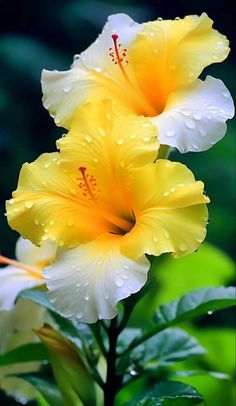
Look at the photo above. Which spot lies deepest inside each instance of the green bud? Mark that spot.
(69, 367)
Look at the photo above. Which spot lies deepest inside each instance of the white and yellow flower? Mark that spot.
(18, 320)
(25, 272)
(107, 205)
(151, 69)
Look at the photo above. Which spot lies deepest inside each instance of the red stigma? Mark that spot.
(114, 37)
(82, 168)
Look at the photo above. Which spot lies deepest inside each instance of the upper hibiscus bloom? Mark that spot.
(151, 69)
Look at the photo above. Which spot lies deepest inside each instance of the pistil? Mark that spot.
(119, 55)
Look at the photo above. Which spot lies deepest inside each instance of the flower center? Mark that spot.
(30, 270)
(118, 56)
(88, 184)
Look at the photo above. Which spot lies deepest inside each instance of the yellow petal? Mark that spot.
(49, 205)
(170, 211)
(169, 53)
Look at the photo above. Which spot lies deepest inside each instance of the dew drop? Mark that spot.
(95, 160)
(88, 138)
(225, 94)
(120, 141)
(190, 124)
(159, 19)
(70, 222)
(152, 34)
(172, 189)
(183, 247)
(79, 316)
(146, 124)
(126, 266)
(51, 222)
(86, 297)
(177, 18)
(146, 139)
(47, 165)
(133, 136)
(36, 222)
(186, 112)
(102, 131)
(208, 117)
(11, 201)
(170, 133)
(197, 116)
(155, 239)
(78, 285)
(166, 234)
(44, 238)
(28, 204)
(67, 89)
(106, 297)
(119, 283)
(98, 70)
(166, 194)
(210, 312)
(76, 57)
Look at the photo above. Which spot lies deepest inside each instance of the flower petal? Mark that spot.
(170, 211)
(103, 139)
(29, 254)
(49, 205)
(92, 74)
(167, 54)
(87, 282)
(195, 115)
(12, 282)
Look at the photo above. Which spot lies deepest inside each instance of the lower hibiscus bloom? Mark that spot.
(107, 206)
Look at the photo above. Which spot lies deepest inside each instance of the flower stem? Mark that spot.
(112, 381)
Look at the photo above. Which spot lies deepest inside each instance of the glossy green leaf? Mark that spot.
(37, 296)
(193, 304)
(25, 353)
(168, 394)
(47, 389)
(164, 349)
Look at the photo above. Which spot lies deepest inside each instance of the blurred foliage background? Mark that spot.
(46, 34)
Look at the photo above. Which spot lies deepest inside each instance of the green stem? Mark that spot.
(112, 381)
(163, 152)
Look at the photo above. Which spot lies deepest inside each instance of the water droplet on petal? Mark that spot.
(79, 316)
(166, 234)
(155, 239)
(119, 282)
(87, 297)
(190, 124)
(226, 94)
(47, 164)
(11, 201)
(146, 124)
(177, 18)
(120, 141)
(170, 133)
(28, 204)
(146, 139)
(70, 222)
(88, 138)
(159, 19)
(197, 116)
(102, 131)
(172, 189)
(183, 247)
(67, 89)
(76, 57)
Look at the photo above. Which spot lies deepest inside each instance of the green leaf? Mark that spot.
(168, 394)
(37, 296)
(48, 389)
(25, 353)
(164, 349)
(193, 304)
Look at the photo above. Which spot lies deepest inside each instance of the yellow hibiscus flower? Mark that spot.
(151, 69)
(102, 200)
